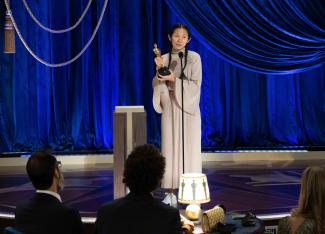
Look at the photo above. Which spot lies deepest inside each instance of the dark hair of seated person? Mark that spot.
(40, 169)
(144, 169)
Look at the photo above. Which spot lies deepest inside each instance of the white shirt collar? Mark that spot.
(56, 195)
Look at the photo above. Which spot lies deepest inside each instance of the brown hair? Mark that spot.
(40, 169)
(312, 197)
(144, 168)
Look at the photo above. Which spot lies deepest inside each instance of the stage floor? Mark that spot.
(262, 187)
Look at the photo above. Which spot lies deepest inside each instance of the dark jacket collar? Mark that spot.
(45, 196)
(139, 197)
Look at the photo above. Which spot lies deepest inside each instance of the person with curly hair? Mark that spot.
(309, 216)
(138, 211)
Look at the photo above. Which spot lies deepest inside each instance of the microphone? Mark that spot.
(182, 77)
(9, 35)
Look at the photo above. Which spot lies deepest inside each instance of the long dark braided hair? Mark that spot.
(172, 30)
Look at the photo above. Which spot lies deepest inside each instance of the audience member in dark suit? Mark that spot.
(309, 216)
(138, 212)
(45, 213)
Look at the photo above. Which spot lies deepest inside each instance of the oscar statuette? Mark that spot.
(162, 70)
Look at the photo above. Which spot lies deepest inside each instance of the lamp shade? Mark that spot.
(193, 189)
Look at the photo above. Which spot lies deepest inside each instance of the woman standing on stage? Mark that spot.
(167, 100)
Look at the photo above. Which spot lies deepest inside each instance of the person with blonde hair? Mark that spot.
(309, 216)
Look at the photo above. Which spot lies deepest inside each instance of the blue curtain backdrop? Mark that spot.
(263, 72)
(270, 36)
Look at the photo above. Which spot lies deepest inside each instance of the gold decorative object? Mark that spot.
(211, 218)
(162, 70)
(9, 35)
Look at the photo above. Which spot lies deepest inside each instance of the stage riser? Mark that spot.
(236, 157)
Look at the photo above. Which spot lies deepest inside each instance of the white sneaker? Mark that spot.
(170, 199)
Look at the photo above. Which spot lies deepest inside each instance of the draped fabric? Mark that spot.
(268, 36)
(248, 109)
(244, 102)
(67, 108)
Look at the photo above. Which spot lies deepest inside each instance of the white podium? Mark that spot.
(130, 130)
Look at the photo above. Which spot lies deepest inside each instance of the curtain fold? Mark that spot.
(267, 36)
(243, 46)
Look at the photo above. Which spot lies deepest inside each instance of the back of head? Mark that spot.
(40, 169)
(312, 196)
(144, 169)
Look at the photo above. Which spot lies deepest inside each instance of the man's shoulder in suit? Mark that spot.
(43, 211)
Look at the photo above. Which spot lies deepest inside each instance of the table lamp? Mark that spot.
(193, 190)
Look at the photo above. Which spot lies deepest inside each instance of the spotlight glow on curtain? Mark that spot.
(268, 36)
(71, 108)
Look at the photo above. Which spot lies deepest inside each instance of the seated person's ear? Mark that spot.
(56, 173)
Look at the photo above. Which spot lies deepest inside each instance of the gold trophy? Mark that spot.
(162, 70)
